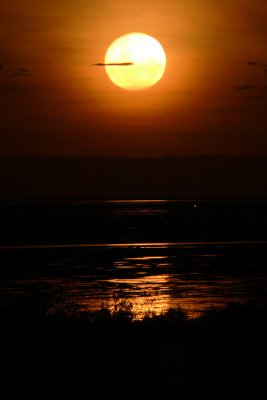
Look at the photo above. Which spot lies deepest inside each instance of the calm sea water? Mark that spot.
(153, 254)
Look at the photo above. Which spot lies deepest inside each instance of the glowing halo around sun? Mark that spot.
(136, 61)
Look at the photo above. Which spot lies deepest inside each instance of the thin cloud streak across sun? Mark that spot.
(124, 64)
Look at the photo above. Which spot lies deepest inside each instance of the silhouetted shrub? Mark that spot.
(111, 355)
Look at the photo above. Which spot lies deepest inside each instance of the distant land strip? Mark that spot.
(132, 245)
(119, 178)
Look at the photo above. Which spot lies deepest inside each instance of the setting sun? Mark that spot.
(135, 61)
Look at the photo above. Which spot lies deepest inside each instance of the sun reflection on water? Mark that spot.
(150, 277)
(146, 294)
(151, 283)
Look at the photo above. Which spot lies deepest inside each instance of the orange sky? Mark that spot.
(210, 100)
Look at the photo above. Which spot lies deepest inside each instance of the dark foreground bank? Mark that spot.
(108, 355)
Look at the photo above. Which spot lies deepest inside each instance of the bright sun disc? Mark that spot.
(145, 58)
